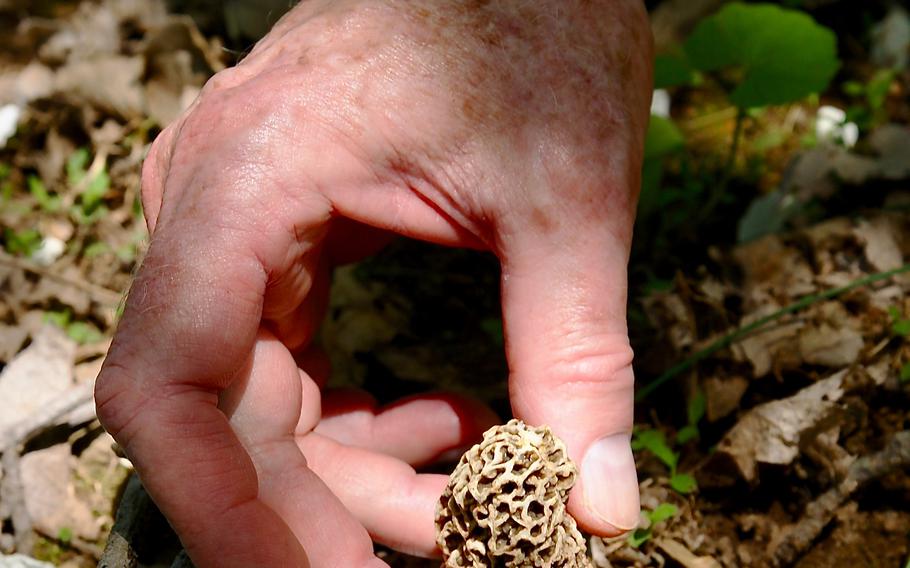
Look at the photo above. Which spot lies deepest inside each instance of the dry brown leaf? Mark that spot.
(830, 346)
(36, 376)
(112, 83)
(722, 395)
(50, 496)
(772, 347)
(678, 552)
(881, 240)
(772, 433)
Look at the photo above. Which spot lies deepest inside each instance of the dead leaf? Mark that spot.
(50, 496)
(722, 395)
(684, 556)
(830, 346)
(91, 31)
(881, 240)
(36, 376)
(11, 339)
(769, 264)
(112, 83)
(774, 346)
(669, 313)
(26, 84)
(772, 433)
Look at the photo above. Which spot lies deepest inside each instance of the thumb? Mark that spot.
(564, 307)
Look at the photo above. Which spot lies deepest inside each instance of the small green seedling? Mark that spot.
(869, 109)
(661, 513)
(695, 411)
(23, 243)
(81, 332)
(655, 442)
(900, 327)
(92, 187)
(65, 535)
(48, 203)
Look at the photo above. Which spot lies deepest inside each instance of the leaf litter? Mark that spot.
(800, 438)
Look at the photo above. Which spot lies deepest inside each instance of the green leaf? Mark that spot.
(662, 512)
(671, 71)
(24, 243)
(76, 166)
(878, 87)
(94, 192)
(97, 248)
(683, 483)
(639, 537)
(59, 318)
(780, 55)
(655, 442)
(65, 535)
(83, 332)
(663, 138)
(905, 373)
(695, 411)
(901, 327)
(47, 202)
(686, 433)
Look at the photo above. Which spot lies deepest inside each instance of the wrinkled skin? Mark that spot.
(504, 125)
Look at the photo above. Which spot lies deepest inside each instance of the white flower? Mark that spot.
(660, 103)
(9, 121)
(50, 250)
(830, 126)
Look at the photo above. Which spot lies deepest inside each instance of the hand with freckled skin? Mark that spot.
(505, 125)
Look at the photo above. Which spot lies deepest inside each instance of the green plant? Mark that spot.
(6, 187)
(79, 331)
(22, 242)
(655, 442)
(759, 55)
(695, 411)
(763, 54)
(660, 513)
(65, 535)
(92, 187)
(47, 202)
(900, 327)
(868, 108)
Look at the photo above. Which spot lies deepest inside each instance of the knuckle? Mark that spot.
(115, 407)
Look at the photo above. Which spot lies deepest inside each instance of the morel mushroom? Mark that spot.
(505, 504)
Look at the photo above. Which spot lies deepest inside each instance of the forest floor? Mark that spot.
(779, 434)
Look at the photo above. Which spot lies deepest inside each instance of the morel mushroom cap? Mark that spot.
(505, 504)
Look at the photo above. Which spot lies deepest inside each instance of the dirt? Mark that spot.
(761, 447)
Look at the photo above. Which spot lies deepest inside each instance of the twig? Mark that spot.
(745, 330)
(796, 538)
(98, 293)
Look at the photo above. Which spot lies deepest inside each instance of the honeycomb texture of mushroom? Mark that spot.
(505, 504)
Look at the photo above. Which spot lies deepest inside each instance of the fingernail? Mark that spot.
(610, 482)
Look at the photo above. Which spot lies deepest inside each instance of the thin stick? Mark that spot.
(98, 293)
(741, 332)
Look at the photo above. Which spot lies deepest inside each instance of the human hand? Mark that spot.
(511, 126)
